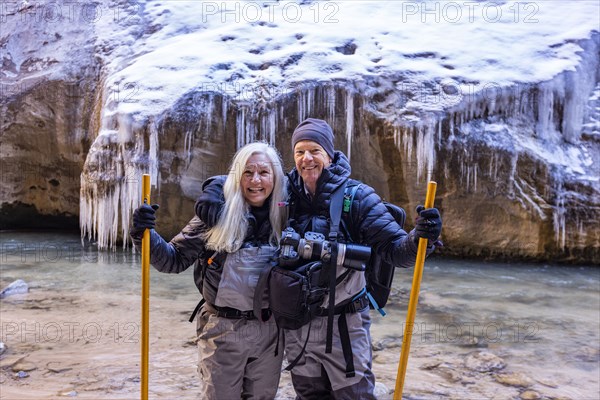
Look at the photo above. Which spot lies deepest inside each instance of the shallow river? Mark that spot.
(483, 330)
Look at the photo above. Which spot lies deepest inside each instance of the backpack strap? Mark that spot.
(335, 215)
(261, 287)
(299, 356)
(335, 211)
(200, 303)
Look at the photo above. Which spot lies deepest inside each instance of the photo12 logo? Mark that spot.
(69, 332)
(70, 11)
(288, 11)
(459, 12)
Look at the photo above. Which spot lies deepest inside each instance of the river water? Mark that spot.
(483, 330)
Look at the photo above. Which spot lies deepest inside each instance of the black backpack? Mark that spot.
(379, 274)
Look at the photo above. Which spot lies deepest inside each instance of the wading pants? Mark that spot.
(236, 358)
(321, 376)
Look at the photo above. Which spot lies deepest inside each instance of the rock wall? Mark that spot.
(517, 166)
(48, 111)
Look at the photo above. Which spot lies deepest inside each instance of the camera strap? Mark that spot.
(335, 215)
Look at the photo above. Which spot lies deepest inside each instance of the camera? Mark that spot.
(314, 247)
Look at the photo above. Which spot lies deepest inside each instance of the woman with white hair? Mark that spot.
(233, 242)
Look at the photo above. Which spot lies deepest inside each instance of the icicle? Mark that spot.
(425, 149)
(240, 125)
(272, 127)
(224, 104)
(309, 101)
(558, 217)
(512, 174)
(330, 100)
(153, 155)
(209, 111)
(349, 122)
(301, 106)
(187, 144)
(468, 178)
(545, 111)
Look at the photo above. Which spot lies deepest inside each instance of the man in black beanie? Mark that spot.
(312, 143)
(345, 371)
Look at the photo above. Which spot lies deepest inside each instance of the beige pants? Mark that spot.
(236, 358)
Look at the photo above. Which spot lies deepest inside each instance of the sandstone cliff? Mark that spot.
(509, 131)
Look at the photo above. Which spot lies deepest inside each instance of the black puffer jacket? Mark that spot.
(188, 246)
(369, 222)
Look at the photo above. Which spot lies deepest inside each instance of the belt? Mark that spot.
(233, 313)
(353, 306)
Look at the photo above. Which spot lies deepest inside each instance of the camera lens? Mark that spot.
(356, 256)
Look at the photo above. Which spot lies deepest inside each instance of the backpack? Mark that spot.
(207, 273)
(379, 274)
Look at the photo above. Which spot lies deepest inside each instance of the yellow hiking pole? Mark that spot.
(414, 299)
(145, 292)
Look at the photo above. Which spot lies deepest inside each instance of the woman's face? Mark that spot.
(257, 180)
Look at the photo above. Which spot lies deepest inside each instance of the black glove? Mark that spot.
(144, 218)
(210, 203)
(428, 224)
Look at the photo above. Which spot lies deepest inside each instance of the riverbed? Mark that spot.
(483, 330)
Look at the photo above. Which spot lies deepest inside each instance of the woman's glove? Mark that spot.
(143, 218)
(428, 224)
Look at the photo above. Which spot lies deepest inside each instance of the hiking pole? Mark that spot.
(145, 292)
(414, 299)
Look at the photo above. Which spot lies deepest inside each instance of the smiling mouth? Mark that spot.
(309, 168)
(256, 190)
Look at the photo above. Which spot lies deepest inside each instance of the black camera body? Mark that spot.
(315, 247)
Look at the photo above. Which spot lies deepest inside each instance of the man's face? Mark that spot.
(310, 160)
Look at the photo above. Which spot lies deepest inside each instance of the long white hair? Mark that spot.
(231, 229)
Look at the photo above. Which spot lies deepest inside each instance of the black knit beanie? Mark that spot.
(316, 130)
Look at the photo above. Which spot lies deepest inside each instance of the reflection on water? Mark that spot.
(537, 317)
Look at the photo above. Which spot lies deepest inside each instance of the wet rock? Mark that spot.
(450, 374)
(23, 366)
(484, 362)
(71, 393)
(9, 361)
(56, 369)
(21, 375)
(547, 383)
(530, 395)
(387, 343)
(17, 287)
(431, 365)
(514, 379)
(588, 354)
(472, 341)
(381, 391)
(285, 392)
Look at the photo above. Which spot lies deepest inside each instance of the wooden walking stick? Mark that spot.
(145, 292)
(414, 299)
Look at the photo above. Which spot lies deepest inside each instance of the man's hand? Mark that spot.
(428, 224)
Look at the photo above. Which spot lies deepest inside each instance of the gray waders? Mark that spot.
(237, 352)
